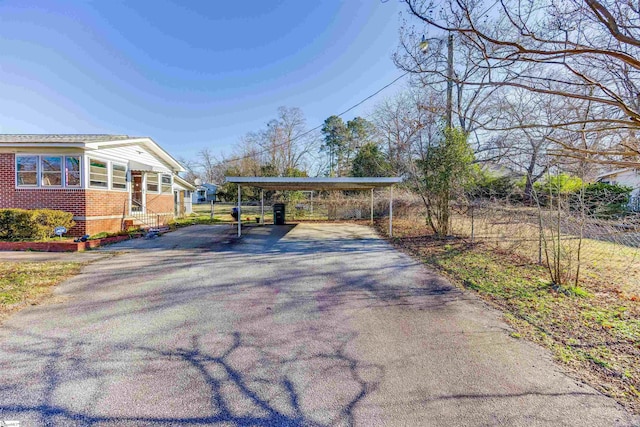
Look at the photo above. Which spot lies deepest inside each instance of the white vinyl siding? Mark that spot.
(136, 153)
(98, 174)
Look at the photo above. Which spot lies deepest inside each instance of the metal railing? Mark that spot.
(147, 217)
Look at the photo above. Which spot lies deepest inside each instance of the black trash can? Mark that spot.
(278, 213)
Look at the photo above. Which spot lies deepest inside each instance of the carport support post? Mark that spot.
(391, 211)
(262, 206)
(372, 206)
(239, 212)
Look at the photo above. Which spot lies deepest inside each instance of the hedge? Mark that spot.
(36, 224)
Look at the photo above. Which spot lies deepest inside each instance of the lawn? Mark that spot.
(222, 213)
(28, 283)
(595, 331)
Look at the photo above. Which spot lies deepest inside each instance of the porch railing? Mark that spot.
(147, 217)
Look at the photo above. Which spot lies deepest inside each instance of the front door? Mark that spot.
(137, 204)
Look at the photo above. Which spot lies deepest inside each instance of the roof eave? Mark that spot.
(43, 145)
(146, 142)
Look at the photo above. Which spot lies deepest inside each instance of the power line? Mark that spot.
(319, 126)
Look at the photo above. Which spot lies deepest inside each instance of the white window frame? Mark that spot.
(39, 170)
(126, 176)
(37, 184)
(80, 173)
(170, 185)
(157, 183)
(42, 171)
(108, 174)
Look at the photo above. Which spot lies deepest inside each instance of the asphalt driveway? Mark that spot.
(308, 325)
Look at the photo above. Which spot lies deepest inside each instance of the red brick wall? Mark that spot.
(64, 199)
(7, 180)
(96, 226)
(103, 203)
(80, 202)
(160, 203)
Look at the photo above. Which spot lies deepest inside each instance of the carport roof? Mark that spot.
(284, 183)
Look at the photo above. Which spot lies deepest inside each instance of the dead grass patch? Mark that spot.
(29, 283)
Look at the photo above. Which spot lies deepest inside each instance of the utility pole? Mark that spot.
(424, 48)
(450, 81)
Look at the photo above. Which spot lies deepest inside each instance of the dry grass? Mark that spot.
(515, 230)
(595, 332)
(29, 283)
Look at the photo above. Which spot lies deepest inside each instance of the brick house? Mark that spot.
(107, 181)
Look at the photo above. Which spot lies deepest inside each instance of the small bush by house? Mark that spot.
(37, 224)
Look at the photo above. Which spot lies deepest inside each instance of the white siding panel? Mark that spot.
(133, 152)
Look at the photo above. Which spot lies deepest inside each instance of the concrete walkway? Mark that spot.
(309, 325)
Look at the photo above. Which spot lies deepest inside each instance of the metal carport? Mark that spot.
(307, 184)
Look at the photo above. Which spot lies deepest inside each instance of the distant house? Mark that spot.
(107, 181)
(629, 177)
(205, 193)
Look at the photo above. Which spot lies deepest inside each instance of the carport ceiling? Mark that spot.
(282, 183)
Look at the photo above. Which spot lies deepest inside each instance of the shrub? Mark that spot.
(15, 224)
(558, 185)
(37, 224)
(606, 200)
(491, 186)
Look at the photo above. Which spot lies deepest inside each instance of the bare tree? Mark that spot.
(573, 49)
(191, 166)
(208, 165)
(286, 142)
(446, 63)
(403, 123)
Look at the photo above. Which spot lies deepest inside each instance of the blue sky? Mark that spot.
(190, 74)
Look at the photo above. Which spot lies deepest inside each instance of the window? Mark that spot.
(152, 182)
(166, 183)
(72, 171)
(27, 171)
(51, 168)
(118, 177)
(98, 174)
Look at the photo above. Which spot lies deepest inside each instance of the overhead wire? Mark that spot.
(295, 138)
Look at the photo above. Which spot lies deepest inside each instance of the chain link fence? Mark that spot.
(593, 247)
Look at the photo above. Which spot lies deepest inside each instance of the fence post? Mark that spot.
(212, 209)
(472, 225)
(539, 236)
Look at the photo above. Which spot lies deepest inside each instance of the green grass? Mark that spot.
(26, 283)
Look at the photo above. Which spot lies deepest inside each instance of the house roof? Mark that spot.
(613, 172)
(284, 183)
(183, 183)
(59, 138)
(88, 142)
